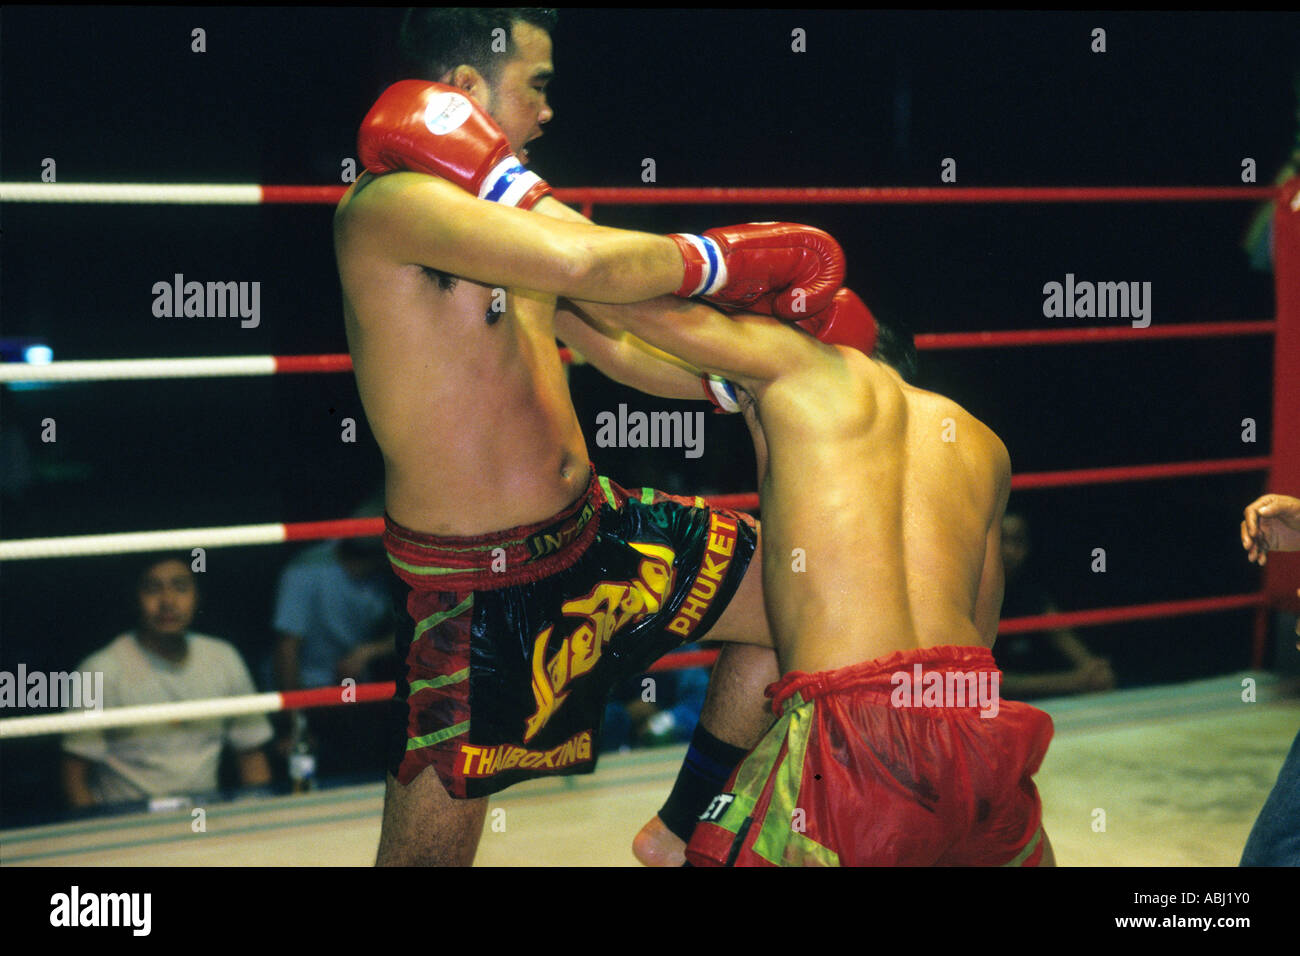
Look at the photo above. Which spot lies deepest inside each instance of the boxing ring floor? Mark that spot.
(1179, 772)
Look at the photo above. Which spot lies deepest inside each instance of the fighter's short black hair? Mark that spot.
(895, 346)
(435, 40)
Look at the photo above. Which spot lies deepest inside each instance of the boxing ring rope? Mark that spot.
(87, 545)
(104, 370)
(77, 721)
(72, 722)
(1284, 464)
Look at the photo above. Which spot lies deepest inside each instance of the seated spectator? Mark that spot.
(1039, 664)
(334, 621)
(160, 662)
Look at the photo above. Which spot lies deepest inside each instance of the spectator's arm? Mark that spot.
(254, 770)
(1093, 670)
(1271, 523)
(1043, 685)
(355, 662)
(285, 660)
(76, 781)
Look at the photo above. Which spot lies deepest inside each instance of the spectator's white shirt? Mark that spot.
(131, 763)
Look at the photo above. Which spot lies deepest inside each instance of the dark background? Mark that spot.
(714, 98)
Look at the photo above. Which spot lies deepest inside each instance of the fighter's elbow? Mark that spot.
(580, 271)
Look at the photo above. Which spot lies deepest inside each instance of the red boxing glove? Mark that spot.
(437, 129)
(848, 321)
(776, 268)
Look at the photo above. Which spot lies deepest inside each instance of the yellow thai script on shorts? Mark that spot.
(487, 761)
(713, 569)
(606, 609)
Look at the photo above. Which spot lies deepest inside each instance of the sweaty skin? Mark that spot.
(461, 380)
(882, 503)
(452, 308)
(469, 446)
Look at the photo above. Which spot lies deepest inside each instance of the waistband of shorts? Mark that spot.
(878, 675)
(498, 559)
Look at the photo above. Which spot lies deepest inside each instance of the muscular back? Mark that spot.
(890, 500)
(468, 402)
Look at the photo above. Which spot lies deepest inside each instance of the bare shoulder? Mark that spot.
(388, 211)
(980, 445)
(377, 197)
(827, 386)
(361, 211)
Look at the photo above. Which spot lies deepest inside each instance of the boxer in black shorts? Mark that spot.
(512, 640)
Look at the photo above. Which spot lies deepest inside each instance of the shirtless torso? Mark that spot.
(463, 387)
(895, 497)
(881, 502)
(882, 507)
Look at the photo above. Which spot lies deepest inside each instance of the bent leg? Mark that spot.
(735, 709)
(737, 714)
(744, 621)
(423, 826)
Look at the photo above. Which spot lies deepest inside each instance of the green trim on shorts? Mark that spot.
(777, 841)
(442, 681)
(805, 851)
(607, 490)
(433, 620)
(1028, 851)
(446, 547)
(437, 737)
(431, 572)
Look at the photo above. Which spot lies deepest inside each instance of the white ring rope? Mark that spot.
(84, 720)
(106, 370)
(181, 193)
(179, 539)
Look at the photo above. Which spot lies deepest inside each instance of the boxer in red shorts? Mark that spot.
(882, 509)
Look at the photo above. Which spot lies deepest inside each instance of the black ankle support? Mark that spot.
(709, 762)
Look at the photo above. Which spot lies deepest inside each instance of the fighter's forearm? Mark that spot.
(743, 348)
(552, 207)
(615, 265)
(653, 371)
(689, 330)
(625, 358)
